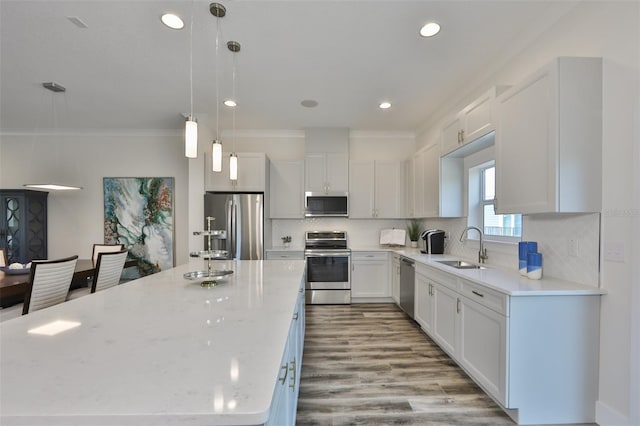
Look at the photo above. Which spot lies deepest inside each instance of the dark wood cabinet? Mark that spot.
(23, 224)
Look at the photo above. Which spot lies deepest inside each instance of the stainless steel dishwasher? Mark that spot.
(407, 285)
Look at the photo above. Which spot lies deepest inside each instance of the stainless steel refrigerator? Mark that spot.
(241, 215)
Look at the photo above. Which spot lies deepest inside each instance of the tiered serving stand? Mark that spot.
(210, 277)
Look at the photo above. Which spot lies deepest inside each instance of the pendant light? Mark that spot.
(191, 124)
(53, 185)
(218, 11)
(234, 47)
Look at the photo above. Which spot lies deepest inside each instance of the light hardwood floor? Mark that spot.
(370, 364)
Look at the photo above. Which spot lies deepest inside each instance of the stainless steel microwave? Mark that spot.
(332, 204)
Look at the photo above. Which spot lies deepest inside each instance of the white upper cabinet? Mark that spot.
(326, 160)
(252, 173)
(326, 172)
(376, 189)
(389, 189)
(361, 189)
(451, 134)
(286, 192)
(549, 140)
(475, 120)
(424, 182)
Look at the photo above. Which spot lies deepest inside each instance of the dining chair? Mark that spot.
(4, 261)
(105, 248)
(49, 283)
(109, 268)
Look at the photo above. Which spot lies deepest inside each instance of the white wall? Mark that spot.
(607, 29)
(75, 219)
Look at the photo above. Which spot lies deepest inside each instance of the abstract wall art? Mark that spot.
(138, 212)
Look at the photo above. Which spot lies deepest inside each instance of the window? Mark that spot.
(498, 225)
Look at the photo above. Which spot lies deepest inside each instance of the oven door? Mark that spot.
(328, 277)
(328, 270)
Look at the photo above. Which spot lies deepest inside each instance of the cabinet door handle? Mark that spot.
(477, 294)
(458, 305)
(292, 369)
(461, 136)
(283, 379)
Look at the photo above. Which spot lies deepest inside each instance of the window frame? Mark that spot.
(477, 199)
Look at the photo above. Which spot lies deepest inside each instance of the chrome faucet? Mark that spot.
(482, 253)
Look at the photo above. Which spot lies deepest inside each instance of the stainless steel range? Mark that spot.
(328, 267)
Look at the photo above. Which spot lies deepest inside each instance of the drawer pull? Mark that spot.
(283, 379)
(477, 294)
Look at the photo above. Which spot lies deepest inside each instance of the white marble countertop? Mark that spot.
(505, 281)
(160, 350)
(502, 280)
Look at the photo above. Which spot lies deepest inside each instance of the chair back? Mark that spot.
(3, 258)
(108, 270)
(105, 248)
(48, 283)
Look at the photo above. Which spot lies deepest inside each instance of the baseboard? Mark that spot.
(607, 416)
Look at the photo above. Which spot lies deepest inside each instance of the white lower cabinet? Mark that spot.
(284, 403)
(482, 347)
(370, 275)
(395, 278)
(445, 318)
(535, 355)
(423, 309)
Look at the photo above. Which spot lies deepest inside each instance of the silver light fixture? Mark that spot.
(234, 47)
(53, 186)
(218, 11)
(191, 124)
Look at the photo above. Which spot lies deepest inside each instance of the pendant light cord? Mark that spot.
(191, 64)
(233, 115)
(217, 88)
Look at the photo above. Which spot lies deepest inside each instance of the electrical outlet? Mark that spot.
(614, 252)
(573, 247)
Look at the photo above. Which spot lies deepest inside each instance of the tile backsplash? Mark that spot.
(578, 262)
(360, 232)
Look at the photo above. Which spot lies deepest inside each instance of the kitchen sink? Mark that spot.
(460, 264)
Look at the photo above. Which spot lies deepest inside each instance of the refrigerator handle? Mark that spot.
(230, 230)
(235, 231)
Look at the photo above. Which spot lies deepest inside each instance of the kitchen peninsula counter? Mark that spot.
(160, 350)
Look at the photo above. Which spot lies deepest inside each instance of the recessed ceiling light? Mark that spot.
(230, 103)
(172, 21)
(430, 29)
(309, 103)
(384, 105)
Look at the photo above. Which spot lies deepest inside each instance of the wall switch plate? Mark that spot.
(614, 252)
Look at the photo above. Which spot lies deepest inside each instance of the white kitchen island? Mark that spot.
(160, 350)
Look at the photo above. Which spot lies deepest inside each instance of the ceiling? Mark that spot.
(127, 71)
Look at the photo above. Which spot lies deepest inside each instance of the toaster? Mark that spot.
(432, 241)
